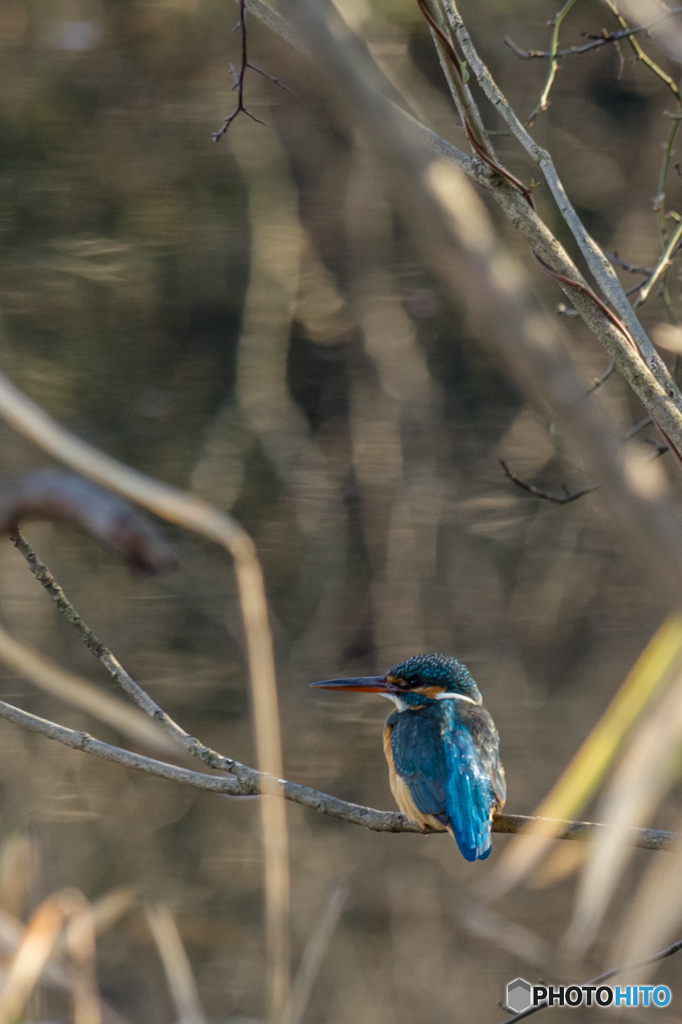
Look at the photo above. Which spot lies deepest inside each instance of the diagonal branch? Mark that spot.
(210, 758)
(599, 266)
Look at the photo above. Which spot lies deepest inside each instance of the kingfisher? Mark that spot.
(442, 748)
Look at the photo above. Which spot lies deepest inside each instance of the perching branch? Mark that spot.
(210, 758)
(194, 514)
(248, 782)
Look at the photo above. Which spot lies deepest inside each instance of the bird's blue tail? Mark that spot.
(469, 798)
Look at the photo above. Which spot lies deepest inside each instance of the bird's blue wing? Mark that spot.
(419, 758)
(469, 796)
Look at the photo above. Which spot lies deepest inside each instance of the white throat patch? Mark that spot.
(398, 701)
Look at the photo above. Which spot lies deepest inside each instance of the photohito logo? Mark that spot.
(521, 995)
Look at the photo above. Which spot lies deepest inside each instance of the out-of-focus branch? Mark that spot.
(249, 782)
(459, 245)
(52, 494)
(82, 694)
(564, 498)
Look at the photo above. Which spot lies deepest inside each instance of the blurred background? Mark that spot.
(249, 321)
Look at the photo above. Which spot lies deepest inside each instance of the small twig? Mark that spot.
(662, 266)
(642, 54)
(543, 102)
(597, 41)
(565, 498)
(239, 79)
(270, 78)
(637, 427)
(675, 948)
(601, 380)
(630, 267)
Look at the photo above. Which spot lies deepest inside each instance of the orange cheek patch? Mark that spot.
(429, 691)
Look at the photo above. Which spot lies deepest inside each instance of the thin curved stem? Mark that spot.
(543, 102)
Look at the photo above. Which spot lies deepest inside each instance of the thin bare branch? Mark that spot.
(596, 41)
(645, 422)
(564, 498)
(630, 267)
(599, 381)
(239, 78)
(661, 266)
(193, 747)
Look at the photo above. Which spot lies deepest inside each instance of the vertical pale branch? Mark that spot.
(194, 514)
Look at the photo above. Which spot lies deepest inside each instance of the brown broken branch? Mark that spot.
(53, 494)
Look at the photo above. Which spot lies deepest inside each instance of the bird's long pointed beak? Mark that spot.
(361, 684)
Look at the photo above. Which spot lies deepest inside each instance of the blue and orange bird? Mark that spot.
(442, 748)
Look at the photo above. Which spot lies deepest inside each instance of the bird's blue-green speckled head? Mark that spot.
(435, 670)
(427, 676)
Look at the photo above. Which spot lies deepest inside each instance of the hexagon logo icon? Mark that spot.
(518, 995)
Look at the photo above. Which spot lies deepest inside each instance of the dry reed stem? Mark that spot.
(179, 975)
